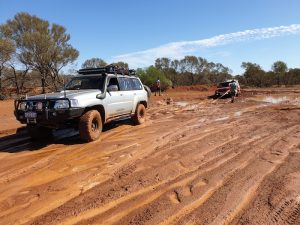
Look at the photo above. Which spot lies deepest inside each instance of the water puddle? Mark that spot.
(191, 108)
(278, 99)
(237, 114)
(199, 123)
(181, 104)
(222, 118)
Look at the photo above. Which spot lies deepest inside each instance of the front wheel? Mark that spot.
(90, 126)
(140, 114)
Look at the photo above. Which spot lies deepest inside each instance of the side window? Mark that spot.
(122, 83)
(136, 84)
(125, 84)
(113, 81)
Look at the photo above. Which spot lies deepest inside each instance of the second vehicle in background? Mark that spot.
(223, 88)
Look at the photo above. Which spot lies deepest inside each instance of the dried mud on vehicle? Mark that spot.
(194, 161)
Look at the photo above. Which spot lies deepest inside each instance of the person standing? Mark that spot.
(233, 90)
(157, 87)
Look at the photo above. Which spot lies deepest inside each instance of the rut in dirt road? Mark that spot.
(194, 163)
(190, 177)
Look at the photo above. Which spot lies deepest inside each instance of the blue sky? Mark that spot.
(138, 31)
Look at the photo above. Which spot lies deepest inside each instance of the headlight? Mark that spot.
(61, 104)
(22, 106)
(39, 106)
(74, 103)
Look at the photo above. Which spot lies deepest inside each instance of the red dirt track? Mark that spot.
(194, 161)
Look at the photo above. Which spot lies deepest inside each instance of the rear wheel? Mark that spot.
(140, 114)
(39, 133)
(90, 126)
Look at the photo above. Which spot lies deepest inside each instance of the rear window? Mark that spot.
(129, 84)
(136, 84)
(225, 84)
(125, 84)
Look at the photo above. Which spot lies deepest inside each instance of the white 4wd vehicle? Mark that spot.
(88, 101)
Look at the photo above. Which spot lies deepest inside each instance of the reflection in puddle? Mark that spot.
(276, 99)
(239, 113)
(182, 104)
(199, 123)
(222, 118)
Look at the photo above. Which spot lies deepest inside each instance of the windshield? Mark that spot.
(83, 83)
(224, 84)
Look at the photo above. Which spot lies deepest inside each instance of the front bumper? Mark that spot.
(54, 118)
(222, 92)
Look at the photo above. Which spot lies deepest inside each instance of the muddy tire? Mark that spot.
(140, 114)
(90, 126)
(39, 133)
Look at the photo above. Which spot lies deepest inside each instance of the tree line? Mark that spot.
(192, 70)
(33, 53)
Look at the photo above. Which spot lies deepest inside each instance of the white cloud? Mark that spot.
(180, 49)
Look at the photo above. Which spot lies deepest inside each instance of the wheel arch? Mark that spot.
(145, 103)
(99, 108)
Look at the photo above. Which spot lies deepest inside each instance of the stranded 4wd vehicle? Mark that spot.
(88, 101)
(223, 88)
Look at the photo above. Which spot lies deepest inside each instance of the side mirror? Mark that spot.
(112, 88)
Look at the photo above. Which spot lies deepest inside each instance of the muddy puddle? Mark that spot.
(181, 104)
(278, 99)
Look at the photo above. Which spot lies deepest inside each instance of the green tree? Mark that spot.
(168, 67)
(294, 76)
(189, 65)
(217, 73)
(93, 63)
(163, 63)
(254, 74)
(192, 70)
(61, 53)
(150, 75)
(44, 47)
(6, 51)
(279, 68)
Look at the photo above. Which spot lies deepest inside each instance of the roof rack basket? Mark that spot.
(108, 69)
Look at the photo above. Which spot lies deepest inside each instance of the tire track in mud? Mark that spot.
(123, 161)
(193, 206)
(247, 184)
(278, 198)
(255, 188)
(15, 174)
(286, 213)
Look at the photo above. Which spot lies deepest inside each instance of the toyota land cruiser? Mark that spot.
(88, 101)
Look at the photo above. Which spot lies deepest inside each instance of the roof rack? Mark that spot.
(108, 69)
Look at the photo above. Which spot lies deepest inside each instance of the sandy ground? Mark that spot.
(8, 123)
(195, 161)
